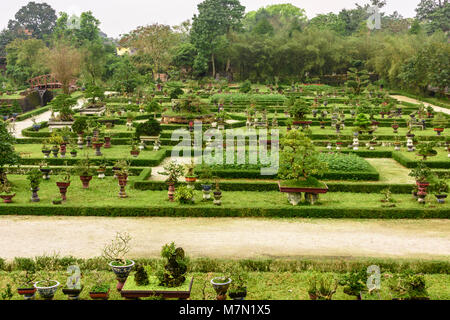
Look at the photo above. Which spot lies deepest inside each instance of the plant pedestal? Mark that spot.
(171, 191)
(45, 174)
(7, 198)
(63, 150)
(206, 189)
(85, 181)
(97, 147)
(107, 142)
(121, 273)
(34, 195)
(101, 174)
(122, 185)
(441, 198)
(422, 193)
(294, 198)
(217, 198)
(63, 189)
(46, 153)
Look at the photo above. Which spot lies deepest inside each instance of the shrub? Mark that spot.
(246, 87)
(184, 194)
(175, 268)
(80, 125)
(141, 276)
(149, 128)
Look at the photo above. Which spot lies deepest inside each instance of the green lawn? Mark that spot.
(104, 193)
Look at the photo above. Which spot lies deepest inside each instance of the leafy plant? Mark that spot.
(408, 286)
(362, 121)
(421, 172)
(149, 128)
(184, 194)
(80, 125)
(322, 286)
(354, 283)
(173, 171)
(299, 109)
(83, 168)
(141, 276)
(35, 178)
(425, 149)
(440, 121)
(176, 267)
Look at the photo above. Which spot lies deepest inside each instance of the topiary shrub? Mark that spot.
(246, 87)
(148, 128)
(175, 268)
(141, 276)
(80, 125)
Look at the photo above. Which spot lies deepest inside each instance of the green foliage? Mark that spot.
(322, 286)
(174, 273)
(35, 178)
(354, 282)
(151, 127)
(80, 125)
(408, 286)
(421, 172)
(440, 121)
(246, 87)
(63, 104)
(299, 109)
(298, 158)
(362, 121)
(344, 162)
(141, 276)
(357, 80)
(8, 156)
(184, 194)
(173, 171)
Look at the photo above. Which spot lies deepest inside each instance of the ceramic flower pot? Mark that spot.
(63, 189)
(85, 180)
(47, 292)
(121, 273)
(221, 287)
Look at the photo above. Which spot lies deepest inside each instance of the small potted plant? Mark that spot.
(439, 123)
(35, 177)
(322, 287)
(115, 252)
(425, 150)
(122, 176)
(73, 151)
(84, 170)
(45, 169)
(184, 195)
(221, 285)
(6, 193)
(46, 150)
(100, 289)
(238, 289)
(440, 190)
(173, 171)
(205, 177)
(25, 284)
(55, 151)
(395, 126)
(190, 176)
(421, 173)
(47, 288)
(134, 150)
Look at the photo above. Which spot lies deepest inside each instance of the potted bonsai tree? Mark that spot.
(298, 110)
(25, 284)
(190, 176)
(45, 169)
(221, 285)
(205, 177)
(184, 195)
(173, 171)
(298, 162)
(322, 287)
(425, 150)
(362, 122)
(100, 289)
(46, 150)
(354, 283)
(6, 192)
(47, 287)
(238, 288)
(122, 176)
(134, 149)
(421, 173)
(217, 194)
(116, 252)
(64, 183)
(408, 286)
(34, 176)
(439, 123)
(84, 171)
(440, 189)
(395, 126)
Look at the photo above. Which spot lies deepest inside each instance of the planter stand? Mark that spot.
(45, 174)
(164, 294)
(171, 191)
(422, 193)
(34, 196)
(7, 198)
(63, 189)
(294, 194)
(101, 174)
(85, 180)
(206, 189)
(122, 184)
(121, 273)
(97, 146)
(217, 198)
(441, 198)
(107, 142)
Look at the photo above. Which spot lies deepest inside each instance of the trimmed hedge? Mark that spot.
(400, 158)
(134, 171)
(187, 211)
(141, 184)
(33, 113)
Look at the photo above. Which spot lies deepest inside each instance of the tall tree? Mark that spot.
(8, 156)
(436, 13)
(64, 62)
(154, 41)
(38, 18)
(215, 18)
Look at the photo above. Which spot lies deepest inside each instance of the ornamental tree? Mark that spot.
(299, 159)
(8, 155)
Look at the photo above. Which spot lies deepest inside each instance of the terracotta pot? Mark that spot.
(85, 180)
(7, 198)
(99, 295)
(63, 189)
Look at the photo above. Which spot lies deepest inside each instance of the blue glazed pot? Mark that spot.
(47, 293)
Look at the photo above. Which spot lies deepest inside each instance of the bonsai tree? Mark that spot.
(299, 109)
(425, 149)
(141, 276)
(149, 128)
(117, 249)
(354, 283)
(80, 125)
(184, 194)
(8, 155)
(299, 159)
(322, 287)
(245, 87)
(63, 103)
(35, 178)
(439, 123)
(176, 92)
(357, 80)
(173, 171)
(152, 107)
(362, 122)
(95, 95)
(174, 273)
(421, 173)
(408, 286)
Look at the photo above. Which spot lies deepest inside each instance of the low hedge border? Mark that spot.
(408, 163)
(33, 113)
(134, 171)
(189, 211)
(141, 184)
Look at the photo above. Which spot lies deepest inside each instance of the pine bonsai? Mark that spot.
(141, 276)
(174, 273)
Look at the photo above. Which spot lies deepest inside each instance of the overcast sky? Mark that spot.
(121, 16)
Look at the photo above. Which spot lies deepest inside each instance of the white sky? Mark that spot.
(121, 16)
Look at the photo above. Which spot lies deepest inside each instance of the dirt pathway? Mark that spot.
(28, 236)
(411, 100)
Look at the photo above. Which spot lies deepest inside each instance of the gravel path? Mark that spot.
(411, 100)
(29, 236)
